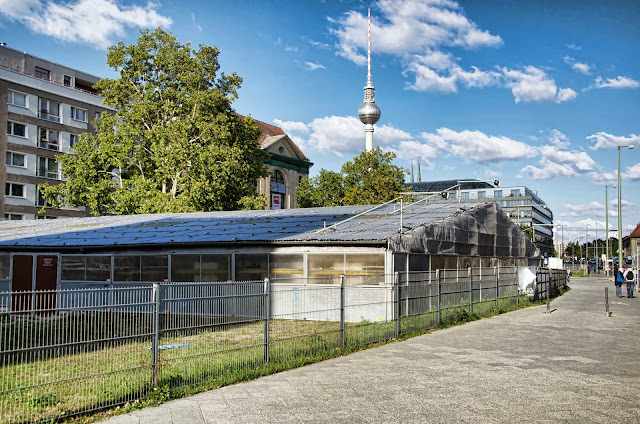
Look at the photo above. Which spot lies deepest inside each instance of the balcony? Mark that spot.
(49, 144)
(45, 173)
(45, 114)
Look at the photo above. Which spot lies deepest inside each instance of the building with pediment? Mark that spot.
(287, 167)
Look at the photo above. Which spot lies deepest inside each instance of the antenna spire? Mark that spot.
(369, 112)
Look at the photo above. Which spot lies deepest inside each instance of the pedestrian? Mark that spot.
(629, 279)
(619, 279)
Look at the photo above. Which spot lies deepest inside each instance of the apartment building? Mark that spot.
(45, 107)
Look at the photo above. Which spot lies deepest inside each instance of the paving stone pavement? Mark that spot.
(573, 365)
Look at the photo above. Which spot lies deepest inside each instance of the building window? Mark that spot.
(67, 80)
(49, 139)
(13, 216)
(497, 194)
(42, 73)
(16, 159)
(14, 190)
(41, 200)
(47, 168)
(78, 114)
(515, 193)
(16, 129)
(46, 217)
(465, 195)
(277, 177)
(17, 99)
(73, 139)
(481, 195)
(49, 110)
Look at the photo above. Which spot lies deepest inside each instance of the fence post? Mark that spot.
(606, 301)
(439, 296)
(156, 333)
(496, 274)
(267, 288)
(549, 291)
(517, 281)
(342, 301)
(396, 301)
(470, 277)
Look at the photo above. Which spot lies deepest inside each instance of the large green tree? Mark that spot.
(173, 143)
(370, 178)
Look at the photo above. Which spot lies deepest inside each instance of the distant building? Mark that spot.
(520, 203)
(287, 167)
(631, 246)
(45, 107)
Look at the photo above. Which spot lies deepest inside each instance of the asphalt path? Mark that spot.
(573, 365)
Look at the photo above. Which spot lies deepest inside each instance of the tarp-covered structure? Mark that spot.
(441, 229)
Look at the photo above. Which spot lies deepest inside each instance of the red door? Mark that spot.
(46, 282)
(22, 281)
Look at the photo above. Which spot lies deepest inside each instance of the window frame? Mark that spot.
(46, 171)
(46, 113)
(9, 189)
(12, 124)
(13, 154)
(9, 216)
(45, 143)
(11, 98)
(74, 110)
(41, 72)
(71, 137)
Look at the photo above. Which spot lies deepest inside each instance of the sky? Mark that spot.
(535, 93)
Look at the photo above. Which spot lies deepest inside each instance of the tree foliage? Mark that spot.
(174, 142)
(370, 178)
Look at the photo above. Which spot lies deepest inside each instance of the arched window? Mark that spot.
(277, 177)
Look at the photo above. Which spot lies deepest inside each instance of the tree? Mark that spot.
(371, 178)
(173, 144)
(324, 190)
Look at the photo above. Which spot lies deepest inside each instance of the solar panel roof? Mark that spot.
(332, 224)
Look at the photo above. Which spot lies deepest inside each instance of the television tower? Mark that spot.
(369, 112)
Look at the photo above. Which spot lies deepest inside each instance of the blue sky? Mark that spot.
(535, 93)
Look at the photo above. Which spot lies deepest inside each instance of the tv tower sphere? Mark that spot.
(369, 112)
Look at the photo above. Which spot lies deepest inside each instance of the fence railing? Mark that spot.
(67, 352)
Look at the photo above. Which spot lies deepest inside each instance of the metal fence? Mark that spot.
(68, 352)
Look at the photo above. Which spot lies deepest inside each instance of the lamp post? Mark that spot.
(606, 213)
(586, 244)
(620, 208)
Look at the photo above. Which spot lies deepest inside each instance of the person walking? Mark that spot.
(629, 279)
(619, 279)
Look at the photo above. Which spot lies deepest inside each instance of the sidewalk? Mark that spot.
(573, 365)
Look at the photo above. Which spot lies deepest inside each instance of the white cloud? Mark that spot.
(588, 209)
(477, 78)
(633, 172)
(575, 47)
(477, 146)
(426, 79)
(94, 22)
(549, 170)
(533, 85)
(604, 178)
(292, 126)
(607, 141)
(584, 68)
(408, 27)
(581, 162)
(340, 135)
(319, 44)
(195, 22)
(559, 139)
(411, 148)
(312, 66)
(618, 82)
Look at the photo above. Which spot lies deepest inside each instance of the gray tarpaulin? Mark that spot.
(484, 230)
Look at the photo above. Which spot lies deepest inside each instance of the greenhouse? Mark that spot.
(362, 242)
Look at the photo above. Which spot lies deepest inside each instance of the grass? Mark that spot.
(66, 383)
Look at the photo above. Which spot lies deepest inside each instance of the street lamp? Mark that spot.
(606, 213)
(620, 207)
(586, 242)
